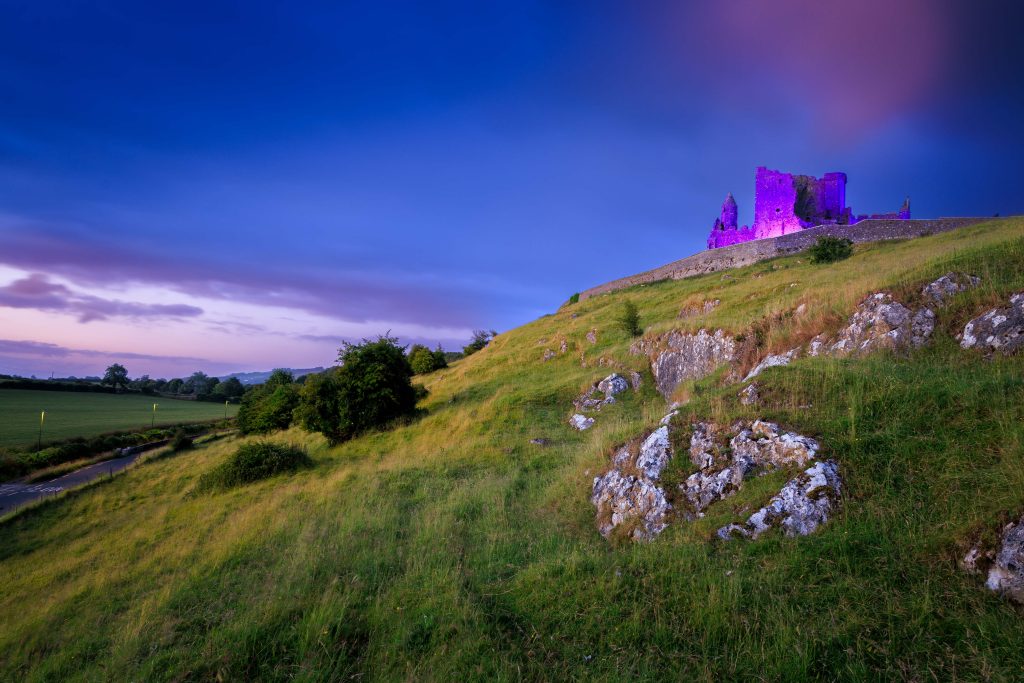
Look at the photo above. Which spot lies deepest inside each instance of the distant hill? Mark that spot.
(261, 377)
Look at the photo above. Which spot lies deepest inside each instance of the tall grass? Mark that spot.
(453, 548)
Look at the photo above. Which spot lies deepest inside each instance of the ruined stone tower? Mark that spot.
(785, 203)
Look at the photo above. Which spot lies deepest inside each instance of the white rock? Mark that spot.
(581, 422)
(772, 362)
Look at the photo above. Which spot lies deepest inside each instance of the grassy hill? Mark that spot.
(71, 414)
(454, 549)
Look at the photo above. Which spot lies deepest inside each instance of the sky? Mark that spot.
(230, 186)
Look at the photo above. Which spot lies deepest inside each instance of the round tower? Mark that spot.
(729, 213)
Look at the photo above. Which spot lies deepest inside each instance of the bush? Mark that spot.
(181, 441)
(629, 319)
(371, 388)
(574, 299)
(255, 461)
(830, 249)
(423, 360)
(269, 406)
(481, 338)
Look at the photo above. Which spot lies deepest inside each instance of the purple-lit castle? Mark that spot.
(785, 203)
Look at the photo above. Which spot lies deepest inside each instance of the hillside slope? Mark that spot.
(454, 548)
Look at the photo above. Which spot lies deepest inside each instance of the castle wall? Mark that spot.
(774, 198)
(745, 253)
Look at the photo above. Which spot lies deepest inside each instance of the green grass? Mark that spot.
(453, 549)
(71, 414)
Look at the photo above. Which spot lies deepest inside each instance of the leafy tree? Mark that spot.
(481, 338)
(629, 319)
(320, 405)
(175, 385)
(116, 376)
(575, 298)
(371, 388)
(423, 360)
(830, 249)
(268, 407)
(230, 388)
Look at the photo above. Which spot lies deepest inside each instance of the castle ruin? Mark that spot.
(785, 203)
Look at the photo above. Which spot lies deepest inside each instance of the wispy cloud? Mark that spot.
(39, 293)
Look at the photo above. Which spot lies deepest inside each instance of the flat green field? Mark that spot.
(70, 414)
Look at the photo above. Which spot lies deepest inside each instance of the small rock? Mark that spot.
(613, 384)
(563, 347)
(765, 445)
(1001, 329)
(636, 380)
(941, 290)
(750, 396)
(667, 420)
(581, 422)
(1005, 564)
(592, 336)
(772, 362)
(800, 310)
(806, 502)
(621, 498)
(705, 449)
(548, 355)
(540, 441)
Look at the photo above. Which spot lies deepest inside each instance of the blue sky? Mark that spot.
(231, 186)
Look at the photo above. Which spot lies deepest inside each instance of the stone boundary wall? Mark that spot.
(745, 253)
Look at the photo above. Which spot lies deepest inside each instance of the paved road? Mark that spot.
(14, 495)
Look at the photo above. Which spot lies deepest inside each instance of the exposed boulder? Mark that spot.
(750, 395)
(655, 452)
(880, 322)
(540, 441)
(581, 422)
(613, 384)
(628, 499)
(1004, 565)
(629, 493)
(707, 445)
(1001, 329)
(941, 290)
(703, 488)
(563, 346)
(772, 362)
(677, 356)
(806, 502)
(765, 445)
(761, 448)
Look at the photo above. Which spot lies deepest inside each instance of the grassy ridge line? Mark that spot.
(452, 548)
(72, 414)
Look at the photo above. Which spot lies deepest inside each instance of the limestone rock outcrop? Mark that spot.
(999, 330)
(941, 290)
(630, 493)
(677, 356)
(750, 395)
(772, 361)
(1004, 566)
(880, 322)
(581, 422)
(807, 501)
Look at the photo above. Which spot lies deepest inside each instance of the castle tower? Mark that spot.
(905, 209)
(729, 213)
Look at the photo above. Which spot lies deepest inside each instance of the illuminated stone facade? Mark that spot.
(785, 203)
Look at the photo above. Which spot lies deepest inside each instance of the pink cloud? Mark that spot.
(855, 65)
(37, 292)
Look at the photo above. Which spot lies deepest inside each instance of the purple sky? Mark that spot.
(239, 186)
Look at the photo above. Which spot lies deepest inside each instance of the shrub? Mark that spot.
(252, 462)
(181, 441)
(574, 299)
(269, 407)
(481, 338)
(371, 388)
(423, 360)
(629, 319)
(830, 249)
